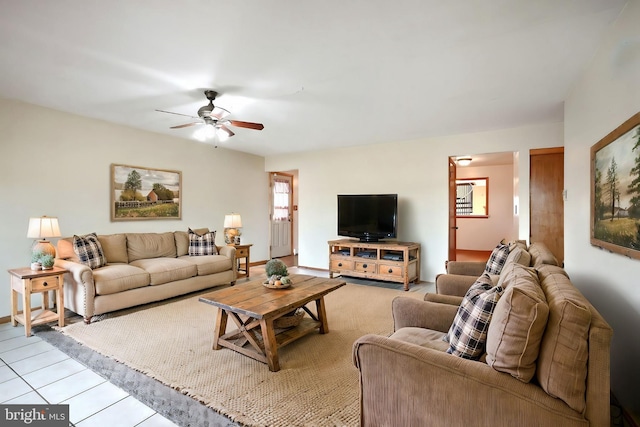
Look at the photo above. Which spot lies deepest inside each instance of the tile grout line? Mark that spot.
(26, 382)
(31, 387)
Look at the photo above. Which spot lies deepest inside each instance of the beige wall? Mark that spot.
(416, 170)
(57, 164)
(606, 96)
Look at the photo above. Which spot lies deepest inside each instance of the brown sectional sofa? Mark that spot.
(547, 360)
(141, 268)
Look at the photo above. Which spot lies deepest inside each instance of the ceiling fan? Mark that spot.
(216, 118)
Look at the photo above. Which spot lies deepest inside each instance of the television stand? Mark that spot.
(387, 261)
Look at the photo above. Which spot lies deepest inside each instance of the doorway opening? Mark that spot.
(473, 235)
(283, 217)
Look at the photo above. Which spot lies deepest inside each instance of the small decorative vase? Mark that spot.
(36, 266)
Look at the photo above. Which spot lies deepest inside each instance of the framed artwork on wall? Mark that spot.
(615, 190)
(141, 193)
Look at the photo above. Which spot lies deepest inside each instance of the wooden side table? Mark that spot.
(26, 282)
(243, 251)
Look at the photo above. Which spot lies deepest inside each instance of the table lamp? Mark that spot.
(232, 223)
(41, 228)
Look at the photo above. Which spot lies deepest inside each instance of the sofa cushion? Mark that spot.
(209, 264)
(516, 273)
(517, 255)
(202, 244)
(165, 270)
(114, 247)
(114, 278)
(89, 250)
(517, 325)
(150, 245)
(540, 254)
(182, 240)
(497, 259)
(517, 244)
(468, 332)
(422, 337)
(562, 363)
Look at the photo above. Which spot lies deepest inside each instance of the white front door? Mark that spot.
(281, 214)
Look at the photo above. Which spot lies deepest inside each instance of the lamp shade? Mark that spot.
(43, 227)
(232, 221)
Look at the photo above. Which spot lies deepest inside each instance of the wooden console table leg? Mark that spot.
(322, 316)
(14, 307)
(220, 328)
(26, 312)
(60, 306)
(270, 344)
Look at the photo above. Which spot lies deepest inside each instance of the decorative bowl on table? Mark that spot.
(276, 281)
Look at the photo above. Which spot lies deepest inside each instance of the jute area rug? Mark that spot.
(316, 386)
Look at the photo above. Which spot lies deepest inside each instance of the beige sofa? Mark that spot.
(547, 359)
(141, 268)
(461, 274)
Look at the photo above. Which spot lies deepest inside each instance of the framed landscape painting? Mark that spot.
(615, 190)
(140, 193)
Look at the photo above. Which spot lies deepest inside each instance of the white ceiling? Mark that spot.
(317, 74)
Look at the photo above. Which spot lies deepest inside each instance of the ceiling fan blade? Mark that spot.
(219, 113)
(178, 114)
(185, 125)
(248, 125)
(226, 129)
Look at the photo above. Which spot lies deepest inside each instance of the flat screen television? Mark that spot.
(368, 217)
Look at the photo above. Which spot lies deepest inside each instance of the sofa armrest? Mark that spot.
(443, 299)
(79, 288)
(466, 268)
(410, 312)
(228, 251)
(403, 384)
(454, 284)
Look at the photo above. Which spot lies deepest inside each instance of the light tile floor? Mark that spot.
(34, 372)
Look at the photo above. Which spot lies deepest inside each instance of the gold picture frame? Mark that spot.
(142, 193)
(615, 190)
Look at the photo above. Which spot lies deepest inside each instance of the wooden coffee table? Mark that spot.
(254, 308)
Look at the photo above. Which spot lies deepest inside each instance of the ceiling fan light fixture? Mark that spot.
(209, 131)
(222, 134)
(464, 161)
(205, 133)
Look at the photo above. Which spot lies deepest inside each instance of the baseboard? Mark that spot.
(312, 268)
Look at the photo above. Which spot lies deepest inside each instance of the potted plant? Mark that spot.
(277, 274)
(47, 261)
(35, 260)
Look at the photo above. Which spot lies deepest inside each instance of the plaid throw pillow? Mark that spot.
(497, 259)
(468, 332)
(202, 244)
(89, 250)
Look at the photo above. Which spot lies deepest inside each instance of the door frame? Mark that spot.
(271, 175)
(452, 210)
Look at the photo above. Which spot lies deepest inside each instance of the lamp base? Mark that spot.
(45, 247)
(230, 235)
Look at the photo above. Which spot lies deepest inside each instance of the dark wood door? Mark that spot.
(452, 210)
(546, 200)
